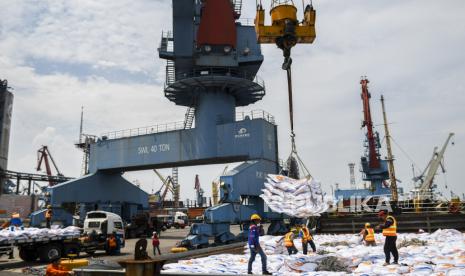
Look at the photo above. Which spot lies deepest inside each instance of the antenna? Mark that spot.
(82, 123)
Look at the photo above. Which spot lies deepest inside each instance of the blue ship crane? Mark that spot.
(212, 62)
(374, 169)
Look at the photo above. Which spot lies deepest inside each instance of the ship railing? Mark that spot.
(255, 114)
(124, 133)
(217, 72)
(131, 132)
(246, 21)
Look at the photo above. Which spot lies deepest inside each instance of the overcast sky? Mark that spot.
(61, 55)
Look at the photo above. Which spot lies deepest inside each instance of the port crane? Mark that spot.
(286, 31)
(167, 185)
(43, 155)
(426, 178)
(199, 192)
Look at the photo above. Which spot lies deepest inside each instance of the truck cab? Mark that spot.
(180, 220)
(104, 223)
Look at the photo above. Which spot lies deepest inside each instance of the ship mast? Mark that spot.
(390, 157)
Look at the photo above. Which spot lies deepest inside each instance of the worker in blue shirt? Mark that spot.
(254, 244)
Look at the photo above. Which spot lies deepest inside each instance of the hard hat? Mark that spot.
(255, 217)
(49, 206)
(154, 233)
(367, 224)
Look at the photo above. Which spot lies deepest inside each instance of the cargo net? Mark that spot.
(294, 167)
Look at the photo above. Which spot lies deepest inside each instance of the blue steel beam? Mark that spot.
(230, 142)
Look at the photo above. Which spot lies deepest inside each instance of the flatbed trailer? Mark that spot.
(47, 248)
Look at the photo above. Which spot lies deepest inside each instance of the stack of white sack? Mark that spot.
(33, 233)
(297, 198)
(443, 255)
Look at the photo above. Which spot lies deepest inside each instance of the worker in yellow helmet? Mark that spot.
(254, 244)
(389, 227)
(368, 234)
(307, 238)
(289, 242)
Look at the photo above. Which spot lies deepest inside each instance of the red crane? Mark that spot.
(43, 154)
(368, 123)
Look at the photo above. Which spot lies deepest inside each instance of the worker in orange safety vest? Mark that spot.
(55, 269)
(389, 227)
(113, 244)
(289, 242)
(368, 234)
(307, 238)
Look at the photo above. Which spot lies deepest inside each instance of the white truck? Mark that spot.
(97, 225)
(180, 220)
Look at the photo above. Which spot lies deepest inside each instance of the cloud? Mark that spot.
(61, 55)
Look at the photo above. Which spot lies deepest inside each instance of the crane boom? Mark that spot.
(373, 157)
(433, 166)
(43, 155)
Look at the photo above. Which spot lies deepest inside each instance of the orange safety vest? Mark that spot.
(288, 241)
(54, 270)
(371, 235)
(391, 231)
(112, 243)
(48, 214)
(306, 236)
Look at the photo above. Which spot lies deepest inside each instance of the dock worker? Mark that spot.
(48, 216)
(155, 243)
(307, 238)
(15, 221)
(289, 242)
(389, 230)
(55, 269)
(113, 244)
(254, 244)
(368, 234)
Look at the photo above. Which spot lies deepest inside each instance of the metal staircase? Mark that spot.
(237, 5)
(189, 117)
(170, 72)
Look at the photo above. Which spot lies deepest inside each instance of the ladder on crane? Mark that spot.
(237, 6)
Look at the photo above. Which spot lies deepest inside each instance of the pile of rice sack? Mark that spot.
(442, 255)
(297, 198)
(30, 233)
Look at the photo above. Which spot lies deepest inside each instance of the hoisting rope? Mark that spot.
(293, 154)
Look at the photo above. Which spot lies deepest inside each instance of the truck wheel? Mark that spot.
(28, 255)
(49, 252)
(176, 226)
